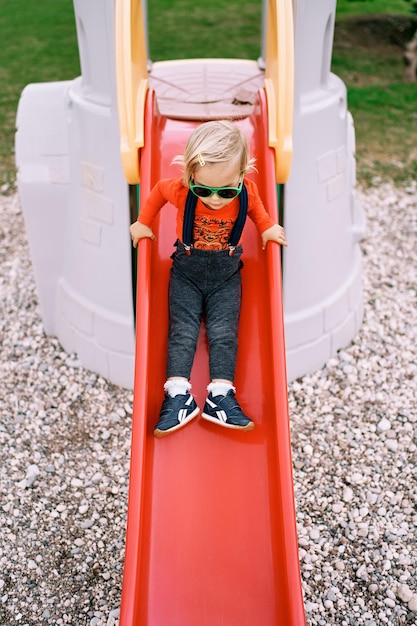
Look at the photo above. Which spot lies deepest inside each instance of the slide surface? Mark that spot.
(211, 537)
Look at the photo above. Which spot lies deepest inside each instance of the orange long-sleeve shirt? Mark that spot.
(211, 228)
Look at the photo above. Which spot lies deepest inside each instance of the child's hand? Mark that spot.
(275, 233)
(139, 231)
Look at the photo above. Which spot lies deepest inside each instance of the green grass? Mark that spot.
(372, 7)
(39, 44)
(220, 28)
(386, 130)
(357, 68)
(383, 106)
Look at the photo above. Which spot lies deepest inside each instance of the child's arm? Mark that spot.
(274, 233)
(164, 191)
(139, 231)
(257, 212)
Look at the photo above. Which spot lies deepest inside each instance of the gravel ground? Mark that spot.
(65, 438)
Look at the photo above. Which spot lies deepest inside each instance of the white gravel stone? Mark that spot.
(404, 593)
(392, 444)
(361, 492)
(347, 494)
(383, 425)
(51, 447)
(353, 439)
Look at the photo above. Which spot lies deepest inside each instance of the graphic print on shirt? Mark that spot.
(211, 233)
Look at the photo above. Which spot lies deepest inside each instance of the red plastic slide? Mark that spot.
(211, 537)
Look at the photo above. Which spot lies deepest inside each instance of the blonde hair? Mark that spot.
(215, 142)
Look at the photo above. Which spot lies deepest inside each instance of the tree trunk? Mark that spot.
(410, 60)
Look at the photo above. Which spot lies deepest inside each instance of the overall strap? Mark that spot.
(188, 222)
(237, 229)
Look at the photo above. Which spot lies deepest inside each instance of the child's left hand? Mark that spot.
(275, 233)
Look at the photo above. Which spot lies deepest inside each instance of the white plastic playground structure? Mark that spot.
(75, 201)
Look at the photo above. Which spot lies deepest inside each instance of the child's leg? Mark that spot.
(185, 311)
(185, 308)
(222, 323)
(223, 311)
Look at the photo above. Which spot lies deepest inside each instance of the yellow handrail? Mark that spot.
(131, 83)
(279, 83)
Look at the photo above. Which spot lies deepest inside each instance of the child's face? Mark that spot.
(217, 175)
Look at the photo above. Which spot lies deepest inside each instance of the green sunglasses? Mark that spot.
(227, 193)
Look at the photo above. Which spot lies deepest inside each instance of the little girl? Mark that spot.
(212, 200)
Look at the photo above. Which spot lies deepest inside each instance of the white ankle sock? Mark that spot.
(177, 387)
(219, 389)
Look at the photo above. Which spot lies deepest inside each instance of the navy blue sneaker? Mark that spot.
(175, 413)
(225, 410)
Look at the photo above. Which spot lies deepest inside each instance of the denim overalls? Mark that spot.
(205, 282)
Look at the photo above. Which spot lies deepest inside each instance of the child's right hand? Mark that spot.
(139, 231)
